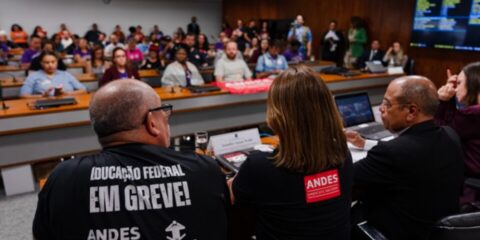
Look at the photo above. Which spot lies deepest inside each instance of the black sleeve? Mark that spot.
(243, 186)
(41, 223)
(377, 169)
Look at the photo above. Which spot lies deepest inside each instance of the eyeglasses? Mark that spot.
(387, 105)
(166, 108)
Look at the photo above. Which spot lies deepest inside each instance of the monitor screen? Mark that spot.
(355, 109)
(447, 24)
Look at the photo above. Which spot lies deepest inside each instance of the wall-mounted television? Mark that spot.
(447, 24)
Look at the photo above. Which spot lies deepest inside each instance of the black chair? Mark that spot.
(410, 67)
(464, 226)
(369, 232)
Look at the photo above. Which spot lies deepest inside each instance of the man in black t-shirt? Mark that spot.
(135, 188)
(194, 55)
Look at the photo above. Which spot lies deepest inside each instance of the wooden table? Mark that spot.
(28, 136)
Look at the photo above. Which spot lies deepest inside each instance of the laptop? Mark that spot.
(203, 89)
(376, 67)
(356, 112)
(48, 103)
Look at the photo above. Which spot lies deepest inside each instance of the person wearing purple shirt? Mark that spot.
(29, 54)
(463, 90)
(82, 53)
(292, 54)
(3, 53)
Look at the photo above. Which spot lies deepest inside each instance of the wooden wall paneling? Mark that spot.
(387, 21)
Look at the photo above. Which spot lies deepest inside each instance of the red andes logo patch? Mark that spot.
(322, 186)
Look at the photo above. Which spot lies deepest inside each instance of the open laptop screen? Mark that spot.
(355, 109)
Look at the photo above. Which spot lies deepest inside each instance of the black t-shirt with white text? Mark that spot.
(291, 205)
(133, 191)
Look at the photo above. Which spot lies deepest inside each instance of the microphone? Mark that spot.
(4, 106)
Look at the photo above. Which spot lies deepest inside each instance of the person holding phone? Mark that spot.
(460, 109)
(49, 81)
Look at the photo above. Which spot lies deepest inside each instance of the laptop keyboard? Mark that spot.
(371, 129)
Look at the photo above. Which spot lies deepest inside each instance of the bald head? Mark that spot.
(417, 90)
(121, 106)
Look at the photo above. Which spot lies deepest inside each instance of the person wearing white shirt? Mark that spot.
(113, 44)
(181, 72)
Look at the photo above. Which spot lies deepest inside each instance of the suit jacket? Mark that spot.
(113, 74)
(411, 182)
(378, 56)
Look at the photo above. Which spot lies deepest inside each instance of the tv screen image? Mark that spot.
(447, 24)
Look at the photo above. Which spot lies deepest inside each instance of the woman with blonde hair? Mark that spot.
(395, 56)
(303, 189)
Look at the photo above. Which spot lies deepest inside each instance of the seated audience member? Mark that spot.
(373, 54)
(230, 68)
(251, 53)
(82, 54)
(114, 43)
(134, 55)
(196, 57)
(156, 33)
(71, 47)
(39, 32)
(30, 53)
(292, 54)
(153, 60)
(283, 187)
(264, 44)
(463, 90)
(227, 29)
(120, 69)
(4, 49)
(333, 41)
(238, 35)
(414, 180)
(181, 72)
(264, 31)
(202, 44)
(49, 81)
(251, 31)
(47, 46)
(98, 65)
(144, 46)
(64, 32)
(4, 42)
(18, 36)
(57, 43)
(395, 57)
(92, 35)
(119, 33)
(222, 39)
(271, 63)
(102, 41)
(150, 187)
(139, 36)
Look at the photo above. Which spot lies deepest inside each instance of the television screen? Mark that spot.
(447, 24)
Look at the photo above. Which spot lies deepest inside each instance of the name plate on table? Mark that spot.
(395, 70)
(235, 141)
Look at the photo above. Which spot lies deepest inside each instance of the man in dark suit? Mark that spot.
(410, 182)
(332, 42)
(374, 54)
